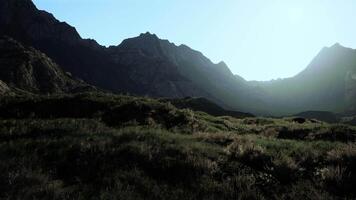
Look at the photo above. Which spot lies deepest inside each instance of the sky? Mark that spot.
(258, 39)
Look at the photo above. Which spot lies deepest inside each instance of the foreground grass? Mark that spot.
(117, 147)
(85, 159)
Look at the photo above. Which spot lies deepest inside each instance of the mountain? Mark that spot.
(144, 65)
(213, 81)
(21, 20)
(26, 69)
(149, 66)
(327, 84)
(132, 73)
(148, 71)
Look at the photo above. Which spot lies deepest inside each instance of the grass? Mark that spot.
(139, 148)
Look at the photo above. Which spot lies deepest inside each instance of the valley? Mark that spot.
(149, 119)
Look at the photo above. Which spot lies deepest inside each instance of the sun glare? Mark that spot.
(296, 14)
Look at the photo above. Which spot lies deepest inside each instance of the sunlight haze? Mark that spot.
(258, 39)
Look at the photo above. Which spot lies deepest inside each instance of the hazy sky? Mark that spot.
(258, 39)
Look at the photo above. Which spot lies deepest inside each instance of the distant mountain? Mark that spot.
(327, 84)
(145, 65)
(212, 81)
(26, 69)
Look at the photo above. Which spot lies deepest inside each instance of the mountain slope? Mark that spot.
(21, 20)
(26, 69)
(88, 60)
(327, 84)
(144, 65)
(215, 79)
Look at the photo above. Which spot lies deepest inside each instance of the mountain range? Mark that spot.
(52, 57)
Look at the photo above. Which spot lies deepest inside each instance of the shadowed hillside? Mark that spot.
(27, 70)
(122, 147)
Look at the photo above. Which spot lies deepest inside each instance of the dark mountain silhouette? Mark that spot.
(26, 69)
(133, 72)
(145, 65)
(21, 20)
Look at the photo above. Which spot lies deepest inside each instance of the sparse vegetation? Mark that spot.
(120, 147)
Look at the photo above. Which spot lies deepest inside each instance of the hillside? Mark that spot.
(122, 147)
(24, 69)
(327, 84)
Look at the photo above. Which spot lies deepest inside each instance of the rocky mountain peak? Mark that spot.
(148, 35)
(336, 45)
(222, 66)
(337, 49)
(148, 44)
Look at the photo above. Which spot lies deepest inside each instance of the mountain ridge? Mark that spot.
(149, 66)
(176, 72)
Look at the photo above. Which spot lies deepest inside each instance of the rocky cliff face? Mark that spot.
(27, 69)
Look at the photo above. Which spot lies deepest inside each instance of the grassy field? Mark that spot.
(117, 147)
